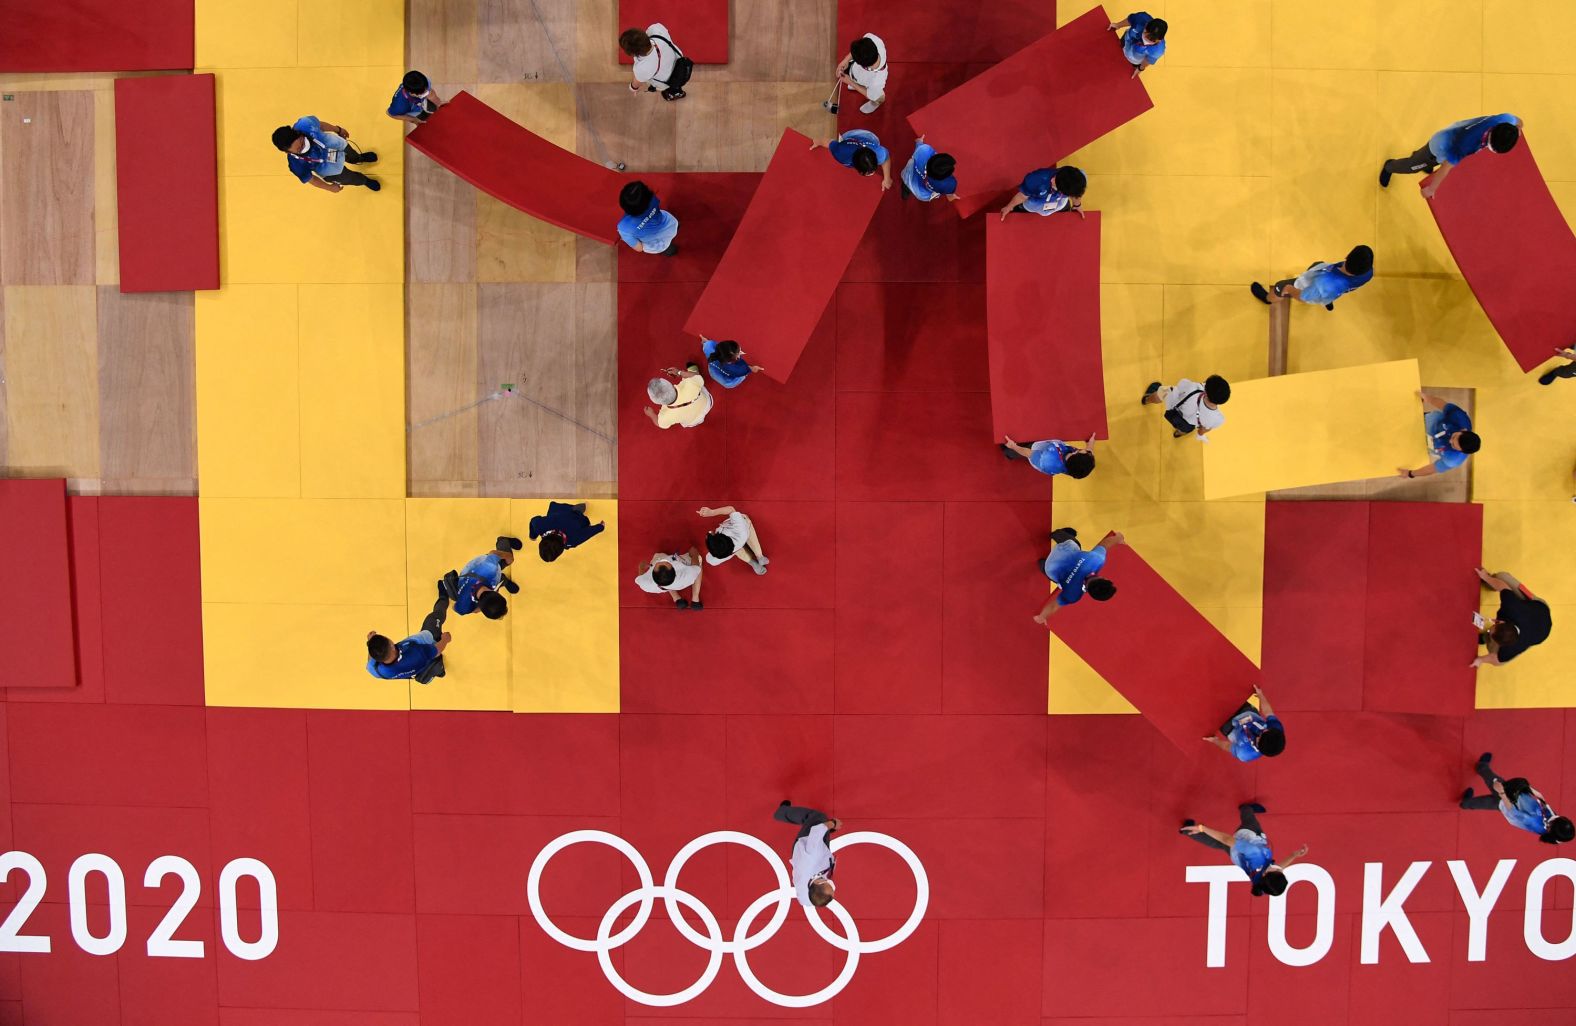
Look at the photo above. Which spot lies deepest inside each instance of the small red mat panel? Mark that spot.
(699, 27)
(35, 563)
(98, 35)
(168, 209)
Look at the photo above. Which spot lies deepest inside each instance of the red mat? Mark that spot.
(1312, 660)
(1514, 248)
(168, 209)
(699, 27)
(945, 32)
(911, 338)
(1034, 108)
(1150, 644)
(790, 251)
(152, 584)
(1042, 291)
(36, 561)
(98, 35)
(520, 168)
(709, 207)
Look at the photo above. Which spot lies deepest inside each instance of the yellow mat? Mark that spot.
(1316, 428)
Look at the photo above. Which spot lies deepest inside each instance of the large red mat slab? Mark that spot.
(515, 165)
(699, 27)
(1514, 248)
(1034, 108)
(98, 35)
(168, 209)
(152, 599)
(1042, 295)
(784, 263)
(36, 560)
(945, 32)
(1311, 659)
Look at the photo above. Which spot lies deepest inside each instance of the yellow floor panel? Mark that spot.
(1196, 128)
(278, 231)
(1543, 103)
(1404, 35)
(1511, 41)
(565, 619)
(353, 391)
(1216, 34)
(1317, 428)
(354, 34)
(252, 103)
(1076, 690)
(295, 551)
(1182, 230)
(1529, 444)
(241, 35)
(325, 663)
(1524, 538)
(1539, 677)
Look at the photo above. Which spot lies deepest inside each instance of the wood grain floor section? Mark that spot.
(147, 392)
(47, 188)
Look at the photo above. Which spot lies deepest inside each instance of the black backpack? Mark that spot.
(683, 67)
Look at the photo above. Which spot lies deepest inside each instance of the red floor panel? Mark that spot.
(1073, 85)
(99, 35)
(709, 206)
(469, 970)
(672, 767)
(1410, 763)
(1046, 375)
(731, 645)
(163, 991)
(535, 765)
(989, 971)
(1514, 248)
(58, 834)
(83, 518)
(34, 523)
(1312, 995)
(1395, 990)
(477, 865)
(1089, 969)
(107, 755)
(945, 32)
(301, 1017)
(787, 256)
(773, 757)
(1097, 765)
(152, 598)
(700, 27)
(359, 772)
(1343, 842)
(911, 338)
(522, 169)
(1513, 977)
(948, 767)
(374, 960)
(167, 211)
(1313, 657)
(261, 805)
(562, 987)
(980, 869)
(899, 985)
(68, 985)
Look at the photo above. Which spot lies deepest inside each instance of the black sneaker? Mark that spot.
(672, 250)
(506, 542)
(1330, 307)
(1545, 379)
(369, 157)
(507, 585)
(1185, 824)
(451, 584)
(1252, 807)
(681, 604)
(579, 507)
(697, 605)
(1260, 293)
(374, 184)
(784, 804)
(1384, 179)
(1486, 757)
(1464, 796)
(1005, 451)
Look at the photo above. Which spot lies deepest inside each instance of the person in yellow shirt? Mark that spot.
(683, 401)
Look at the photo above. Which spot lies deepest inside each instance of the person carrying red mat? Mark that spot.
(1074, 573)
(862, 151)
(1143, 40)
(1453, 144)
(1047, 191)
(929, 175)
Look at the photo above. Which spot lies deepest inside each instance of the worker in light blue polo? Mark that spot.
(1322, 283)
(1047, 191)
(1451, 145)
(318, 153)
(1053, 456)
(418, 657)
(862, 151)
(1143, 39)
(929, 175)
(645, 226)
(1451, 440)
(415, 100)
(1251, 732)
(726, 363)
(477, 584)
(1522, 805)
(1075, 573)
(1248, 848)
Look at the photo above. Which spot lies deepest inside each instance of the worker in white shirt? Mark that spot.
(812, 858)
(659, 65)
(864, 71)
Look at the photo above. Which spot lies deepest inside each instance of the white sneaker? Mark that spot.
(869, 107)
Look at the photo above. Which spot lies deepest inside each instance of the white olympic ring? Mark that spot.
(713, 941)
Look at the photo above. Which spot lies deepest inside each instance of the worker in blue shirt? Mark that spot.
(418, 657)
(1053, 456)
(862, 151)
(1249, 848)
(1450, 437)
(1322, 283)
(929, 174)
(1074, 573)
(1453, 144)
(725, 363)
(475, 585)
(1048, 191)
(1520, 803)
(415, 100)
(645, 226)
(317, 154)
(563, 526)
(1251, 732)
(1143, 40)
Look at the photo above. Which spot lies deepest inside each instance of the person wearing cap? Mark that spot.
(1251, 732)
(864, 71)
(1497, 133)
(672, 573)
(1249, 849)
(1053, 456)
(561, 528)
(1048, 191)
(1074, 572)
(1451, 440)
(1143, 39)
(477, 584)
(812, 859)
(734, 538)
(1522, 805)
(862, 151)
(683, 401)
(1322, 283)
(317, 153)
(929, 174)
(726, 364)
(645, 226)
(1523, 620)
(415, 100)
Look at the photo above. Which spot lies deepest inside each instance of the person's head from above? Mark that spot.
(1359, 261)
(863, 51)
(1559, 831)
(726, 352)
(719, 544)
(662, 573)
(1466, 441)
(416, 84)
(492, 604)
(1273, 883)
(381, 648)
(634, 42)
(1216, 389)
(1099, 588)
(1079, 464)
(1503, 138)
(1271, 741)
(822, 892)
(940, 167)
(551, 546)
(289, 140)
(661, 392)
(865, 161)
(1503, 633)
(635, 198)
(1155, 31)
(1070, 181)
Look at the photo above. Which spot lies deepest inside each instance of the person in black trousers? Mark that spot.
(1520, 803)
(812, 859)
(1567, 371)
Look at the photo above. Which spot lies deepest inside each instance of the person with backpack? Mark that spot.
(658, 63)
(1190, 406)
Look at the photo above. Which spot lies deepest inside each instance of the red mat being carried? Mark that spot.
(946, 32)
(785, 261)
(1042, 295)
(1033, 109)
(98, 35)
(519, 167)
(699, 27)
(169, 209)
(1150, 644)
(35, 563)
(1514, 248)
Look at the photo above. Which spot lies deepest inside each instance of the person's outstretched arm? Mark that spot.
(1112, 539)
(1299, 853)
(1437, 180)
(1049, 609)
(1017, 198)
(1264, 703)
(720, 511)
(1426, 470)
(1224, 840)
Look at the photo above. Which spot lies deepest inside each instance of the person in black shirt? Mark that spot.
(1523, 620)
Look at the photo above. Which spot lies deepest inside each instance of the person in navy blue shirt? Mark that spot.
(1451, 439)
(418, 657)
(929, 174)
(563, 527)
(1249, 849)
(317, 154)
(415, 100)
(725, 363)
(1143, 40)
(1053, 456)
(1075, 573)
(1322, 283)
(1251, 732)
(1048, 191)
(1520, 803)
(1453, 144)
(645, 226)
(862, 151)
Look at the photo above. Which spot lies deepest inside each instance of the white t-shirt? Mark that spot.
(873, 79)
(684, 574)
(658, 64)
(811, 858)
(1194, 410)
(737, 527)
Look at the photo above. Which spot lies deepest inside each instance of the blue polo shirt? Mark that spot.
(1440, 425)
(575, 526)
(1068, 566)
(728, 375)
(1327, 282)
(405, 104)
(412, 656)
(846, 145)
(1050, 457)
(1464, 138)
(1040, 195)
(654, 228)
(919, 183)
(1527, 813)
(1133, 47)
(486, 570)
(1246, 731)
(1250, 852)
(325, 152)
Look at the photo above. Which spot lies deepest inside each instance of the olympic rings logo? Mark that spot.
(713, 941)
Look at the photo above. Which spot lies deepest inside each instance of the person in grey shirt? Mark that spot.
(812, 859)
